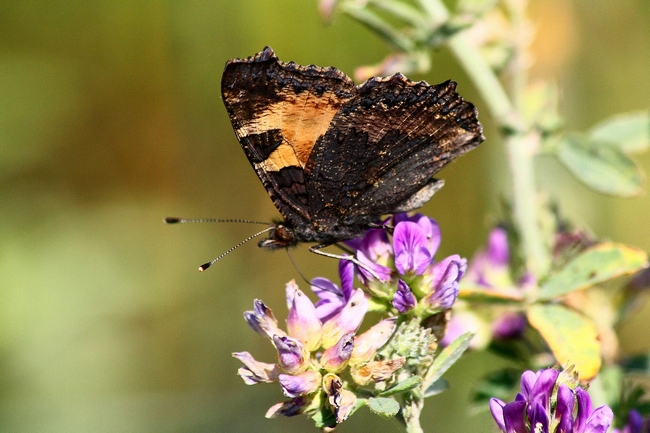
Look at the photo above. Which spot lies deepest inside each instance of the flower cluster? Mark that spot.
(399, 276)
(314, 351)
(550, 401)
(399, 271)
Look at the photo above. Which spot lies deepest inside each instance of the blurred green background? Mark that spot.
(111, 119)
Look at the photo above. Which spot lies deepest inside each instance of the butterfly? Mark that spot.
(334, 156)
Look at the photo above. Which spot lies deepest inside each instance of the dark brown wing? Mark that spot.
(383, 147)
(278, 110)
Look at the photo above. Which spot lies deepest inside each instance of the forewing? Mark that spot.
(384, 145)
(278, 111)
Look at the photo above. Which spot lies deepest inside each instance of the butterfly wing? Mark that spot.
(383, 147)
(278, 110)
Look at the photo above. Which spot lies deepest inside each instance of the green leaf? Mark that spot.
(385, 407)
(629, 132)
(436, 387)
(572, 337)
(593, 266)
(403, 386)
(603, 168)
(447, 357)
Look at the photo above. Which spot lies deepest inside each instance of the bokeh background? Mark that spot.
(111, 119)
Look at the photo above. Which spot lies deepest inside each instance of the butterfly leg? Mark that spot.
(317, 250)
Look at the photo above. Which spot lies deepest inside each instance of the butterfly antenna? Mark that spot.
(174, 220)
(295, 265)
(205, 266)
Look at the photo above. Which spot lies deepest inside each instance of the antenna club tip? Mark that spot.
(172, 220)
(204, 267)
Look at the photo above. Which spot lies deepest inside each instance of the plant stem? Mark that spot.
(521, 146)
(411, 410)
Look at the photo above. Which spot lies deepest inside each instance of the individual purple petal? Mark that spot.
(411, 249)
(290, 354)
(403, 300)
(599, 421)
(496, 408)
(331, 298)
(335, 359)
(302, 321)
(508, 326)
(584, 410)
(541, 392)
(376, 246)
(538, 417)
(564, 409)
(254, 371)
(375, 252)
(383, 272)
(300, 384)
(528, 379)
(367, 344)
(347, 320)
(346, 273)
(514, 417)
(262, 320)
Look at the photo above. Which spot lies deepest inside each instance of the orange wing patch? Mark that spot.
(302, 118)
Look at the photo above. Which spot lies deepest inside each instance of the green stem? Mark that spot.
(520, 145)
(411, 411)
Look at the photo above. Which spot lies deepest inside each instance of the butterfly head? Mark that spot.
(281, 236)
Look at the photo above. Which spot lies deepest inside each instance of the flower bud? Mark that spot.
(254, 371)
(291, 355)
(403, 300)
(335, 359)
(367, 344)
(262, 320)
(300, 384)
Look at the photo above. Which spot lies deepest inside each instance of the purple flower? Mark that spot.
(404, 300)
(412, 255)
(312, 350)
(444, 277)
(428, 226)
(532, 410)
(332, 298)
(375, 252)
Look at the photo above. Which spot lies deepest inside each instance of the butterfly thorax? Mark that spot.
(285, 234)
